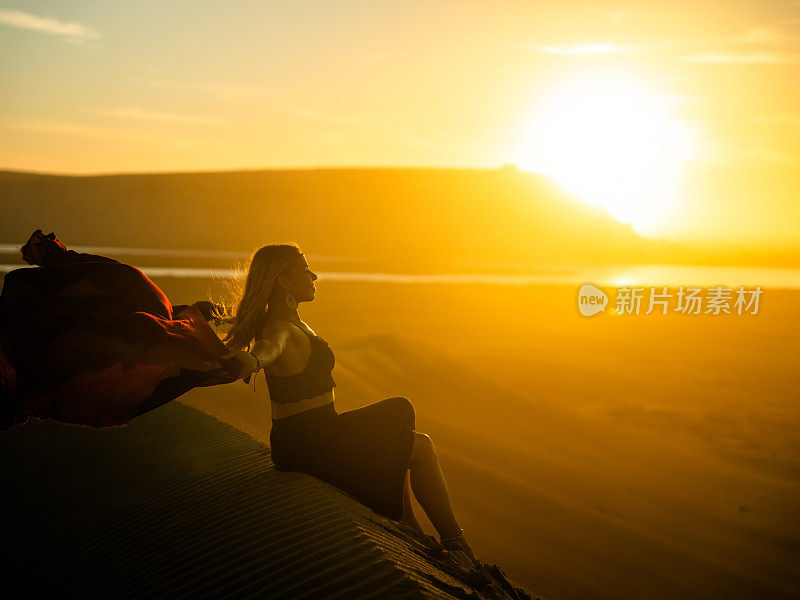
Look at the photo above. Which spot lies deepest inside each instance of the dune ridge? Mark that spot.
(179, 504)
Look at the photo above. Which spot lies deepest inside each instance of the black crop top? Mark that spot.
(312, 381)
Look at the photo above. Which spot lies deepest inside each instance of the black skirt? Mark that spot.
(364, 452)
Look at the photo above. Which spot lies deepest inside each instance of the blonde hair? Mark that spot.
(252, 295)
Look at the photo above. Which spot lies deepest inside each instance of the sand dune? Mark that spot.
(180, 504)
(613, 459)
(573, 505)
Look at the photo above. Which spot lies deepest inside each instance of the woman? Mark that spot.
(366, 452)
(87, 340)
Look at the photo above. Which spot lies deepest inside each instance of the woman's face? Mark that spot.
(299, 280)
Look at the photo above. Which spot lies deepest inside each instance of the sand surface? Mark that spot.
(614, 457)
(180, 504)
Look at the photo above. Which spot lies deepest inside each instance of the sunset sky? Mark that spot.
(699, 101)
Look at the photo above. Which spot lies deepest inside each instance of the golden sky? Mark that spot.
(699, 101)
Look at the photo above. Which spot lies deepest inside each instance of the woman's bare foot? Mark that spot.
(459, 542)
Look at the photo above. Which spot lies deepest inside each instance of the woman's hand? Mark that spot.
(247, 362)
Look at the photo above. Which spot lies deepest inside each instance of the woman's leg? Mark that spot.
(429, 486)
(430, 489)
(408, 511)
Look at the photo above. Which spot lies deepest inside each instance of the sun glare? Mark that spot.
(610, 142)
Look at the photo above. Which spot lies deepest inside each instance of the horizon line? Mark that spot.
(507, 167)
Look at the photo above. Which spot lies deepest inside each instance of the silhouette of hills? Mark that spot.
(420, 218)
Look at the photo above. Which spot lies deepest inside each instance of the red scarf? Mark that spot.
(88, 340)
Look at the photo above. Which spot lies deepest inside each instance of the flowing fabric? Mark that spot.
(88, 340)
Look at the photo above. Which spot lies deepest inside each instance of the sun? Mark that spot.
(611, 142)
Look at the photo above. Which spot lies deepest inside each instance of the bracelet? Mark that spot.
(258, 363)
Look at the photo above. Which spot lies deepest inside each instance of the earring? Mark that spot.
(291, 302)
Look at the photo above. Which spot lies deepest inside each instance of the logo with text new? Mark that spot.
(591, 300)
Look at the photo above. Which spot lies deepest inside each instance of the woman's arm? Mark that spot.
(265, 351)
(271, 344)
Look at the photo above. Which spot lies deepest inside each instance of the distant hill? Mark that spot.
(403, 218)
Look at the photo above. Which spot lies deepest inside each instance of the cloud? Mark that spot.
(619, 15)
(226, 92)
(344, 121)
(582, 49)
(772, 157)
(357, 127)
(750, 58)
(779, 120)
(75, 129)
(761, 35)
(161, 117)
(752, 150)
(595, 48)
(80, 130)
(73, 32)
(381, 56)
